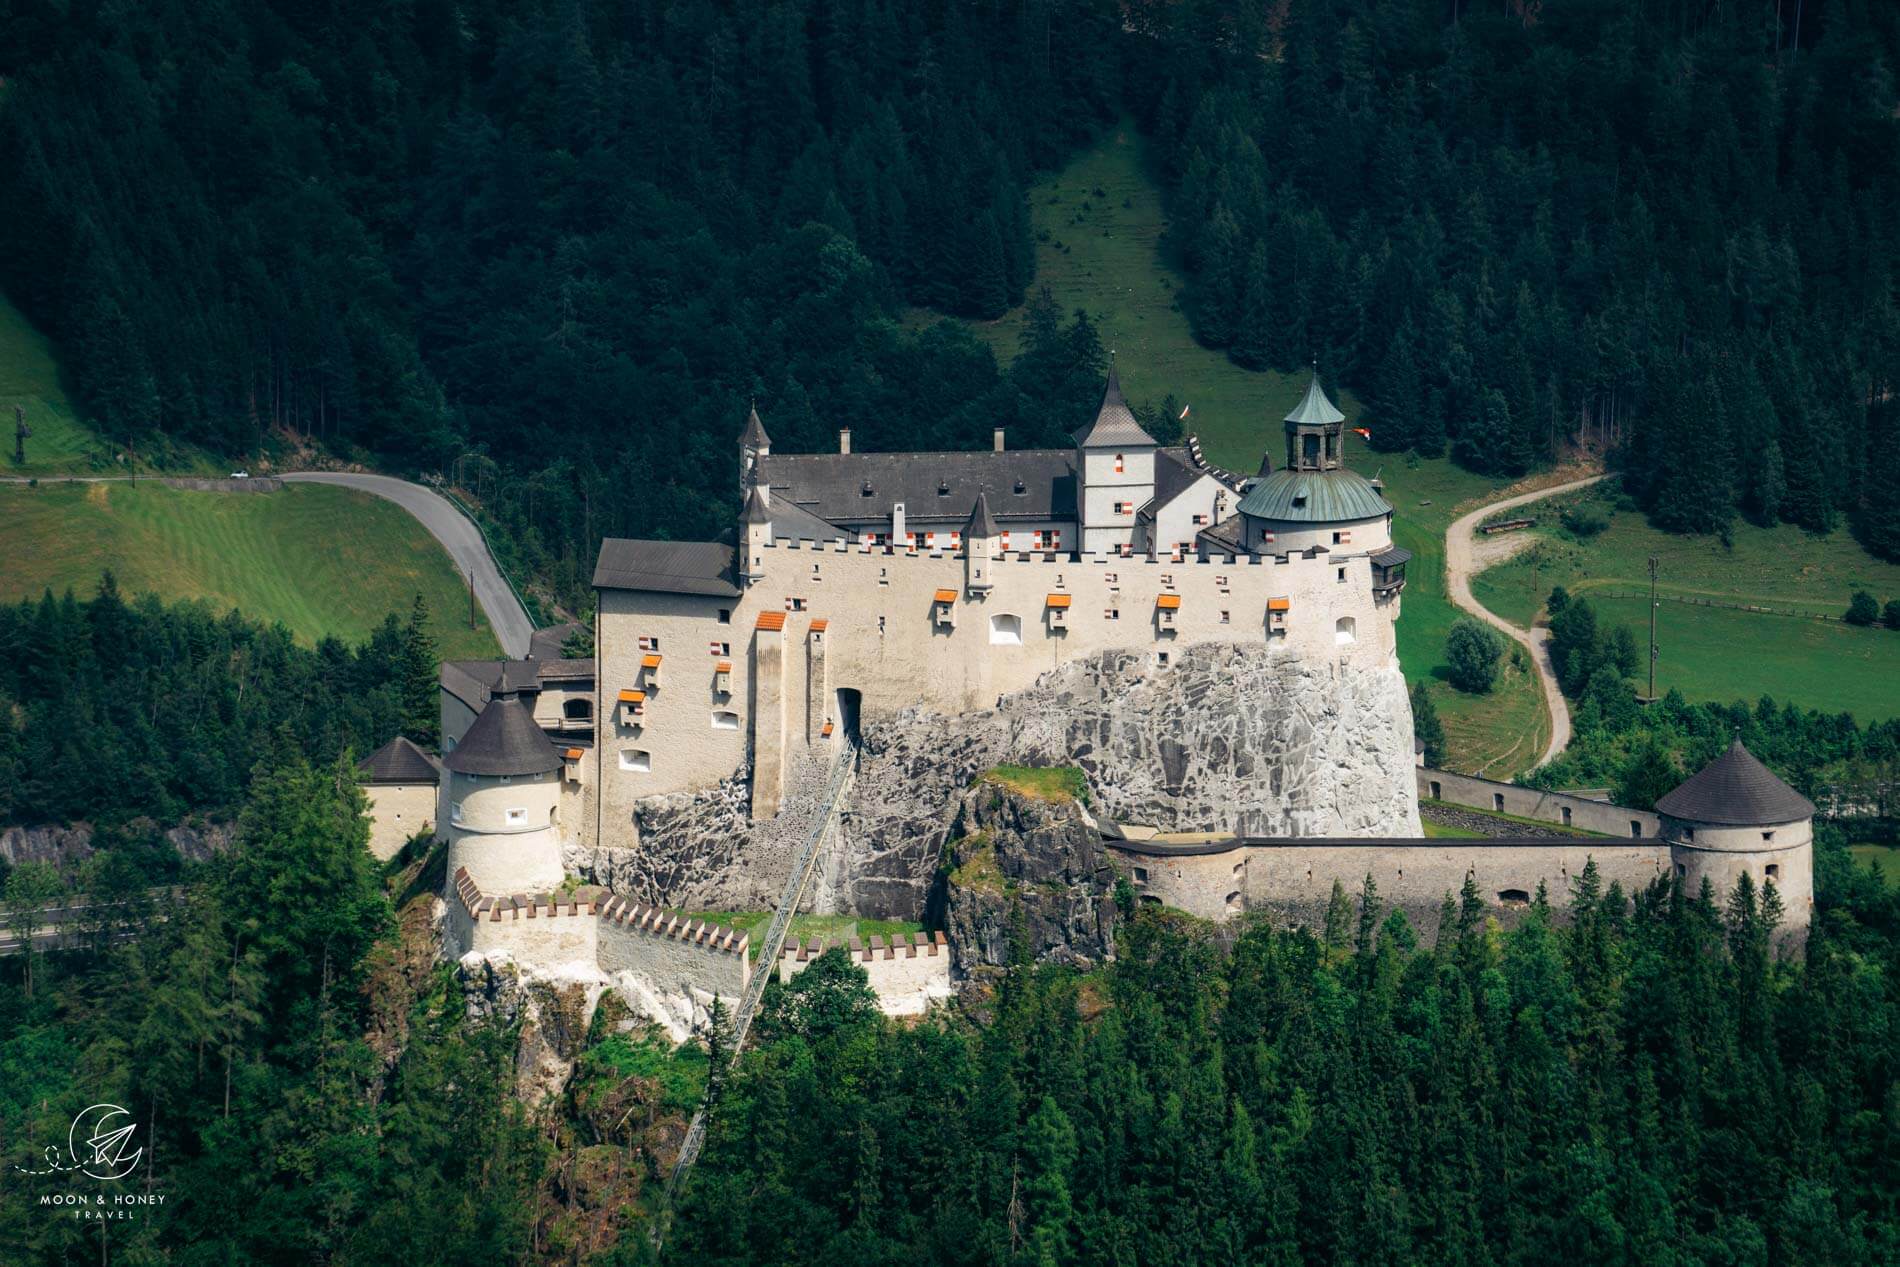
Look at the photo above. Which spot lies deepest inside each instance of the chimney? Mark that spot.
(844, 439)
(997, 439)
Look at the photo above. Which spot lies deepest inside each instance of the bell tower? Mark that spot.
(1315, 432)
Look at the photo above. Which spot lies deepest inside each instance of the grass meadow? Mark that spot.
(319, 560)
(1717, 653)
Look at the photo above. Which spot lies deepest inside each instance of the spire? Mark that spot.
(754, 434)
(756, 511)
(1314, 409)
(979, 524)
(1114, 425)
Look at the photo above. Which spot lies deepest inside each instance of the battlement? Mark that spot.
(1103, 558)
(899, 946)
(596, 903)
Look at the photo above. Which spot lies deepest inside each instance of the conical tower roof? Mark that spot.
(756, 511)
(1314, 409)
(1114, 424)
(1736, 790)
(980, 524)
(504, 740)
(754, 433)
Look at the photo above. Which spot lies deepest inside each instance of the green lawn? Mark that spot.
(320, 560)
(1043, 783)
(1716, 653)
(825, 927)
(1103, 252)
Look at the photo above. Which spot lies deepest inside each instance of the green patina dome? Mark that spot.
(1314, 496)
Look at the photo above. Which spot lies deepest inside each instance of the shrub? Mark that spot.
(1472, 650)
(1862, 610)
(1891, 617)
(1585, 519)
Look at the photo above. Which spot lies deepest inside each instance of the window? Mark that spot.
(883, 576)
(814, 573)
(794, 604)
(1682, 870)
(636, 759)
(1221, 581)
(1119, 466)
(1772, 870)
(1636, 830)
(1566, 814)
(880, 626)
(1514, 897)
(719, 648)
(1342, 576)
(1167, 580)
(577, 710)
(1233, 901)
(725, 615)
(1224, 616)
(1127, 550)
(1161, 659)
(1497, 801)
(1200, 520)
(455, 812)
(649, 644)
(1114, 581)
(1111, 614)
(1688, 833)
(1768, 835)
(1005, 630)
(1438, 793)
(1004, 538)
(516, 817)
(722, 720)
(1345, 631)
(1141, 875)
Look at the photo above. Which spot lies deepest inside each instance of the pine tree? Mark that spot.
(421, 706)
(1425, 725)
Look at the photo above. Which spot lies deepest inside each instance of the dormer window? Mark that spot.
(1299, 499)
(1021, 488)
(866, 490)
(943, 488)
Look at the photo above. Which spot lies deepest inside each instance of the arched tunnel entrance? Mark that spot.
(849, 702)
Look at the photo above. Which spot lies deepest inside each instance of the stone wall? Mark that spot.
(1561, 808)
(908, 972)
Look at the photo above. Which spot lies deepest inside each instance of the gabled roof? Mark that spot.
(754, 433)
(472, 681)
(1314, 497)
(1114, 423)
(980, 523)
(504, 739)
(1736, 790)
(1315, 409)
(399, 761)
(936, 488)
(666, 567)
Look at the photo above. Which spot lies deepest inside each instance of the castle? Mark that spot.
(863, 584)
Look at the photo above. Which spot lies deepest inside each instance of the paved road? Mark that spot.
(458, 536)
(1460, 540)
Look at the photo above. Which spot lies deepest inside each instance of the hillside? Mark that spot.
(1791, 646)
(322, 561)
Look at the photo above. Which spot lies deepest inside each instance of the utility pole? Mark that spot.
(1652, 628)
(20, 433)
(471, 606)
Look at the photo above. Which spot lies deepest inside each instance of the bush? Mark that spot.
(1425, 725)
(1891, 617)
(1863, 610)
(1586, 520)
(1472, 650)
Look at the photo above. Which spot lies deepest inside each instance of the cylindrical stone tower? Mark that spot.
(504, 799)
(1736, 817)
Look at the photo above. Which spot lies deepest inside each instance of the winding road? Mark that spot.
(1462, 561)
(459, 536)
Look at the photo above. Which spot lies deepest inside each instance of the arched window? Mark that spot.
(577, 710)
(1006, 630)
(723, 720)
(1514, 897)
(1345, 631)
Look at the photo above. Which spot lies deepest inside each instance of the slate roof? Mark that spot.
(1224, 537)
(1736, 790)
(472, 681)
(934, 487)
(1392, 556)
(980, 523)
(1114, 423)
(754, 433)
(1315, 409)
(399, 761)
(504, 739)
(1329, 496)
(755, 511)
(667, 567)
(566, 670)
(788, 519)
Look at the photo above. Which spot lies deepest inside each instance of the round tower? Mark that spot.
(1315, 499)
(1736, 818)
(504, 795)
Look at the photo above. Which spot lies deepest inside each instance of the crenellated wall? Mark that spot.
(889, 640)
(909, 973)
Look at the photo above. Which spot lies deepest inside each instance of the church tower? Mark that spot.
(1115, 473)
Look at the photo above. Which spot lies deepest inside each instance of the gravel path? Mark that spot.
(458, 536)
(1464, 556)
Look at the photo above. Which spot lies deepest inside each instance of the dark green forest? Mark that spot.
(553, 246)
(114, 710)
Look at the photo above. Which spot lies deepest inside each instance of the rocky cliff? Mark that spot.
(1242, 738)
(1028, 872)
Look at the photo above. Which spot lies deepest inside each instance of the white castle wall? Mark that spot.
(883, 640)
(397, 811)
(1782, 853)
(1529, 802)
(505, 831)
(909, 973)
(1353, 536)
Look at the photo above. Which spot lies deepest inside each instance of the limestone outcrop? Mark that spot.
(552, 1010)
(1028, 870)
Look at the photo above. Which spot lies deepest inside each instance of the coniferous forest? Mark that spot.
(552, 246)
